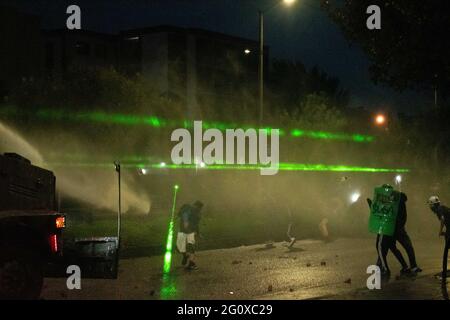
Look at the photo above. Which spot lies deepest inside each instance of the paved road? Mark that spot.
(313, 269)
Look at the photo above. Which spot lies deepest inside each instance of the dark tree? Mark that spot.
(287, 82)
(412, 49)
(290, 82)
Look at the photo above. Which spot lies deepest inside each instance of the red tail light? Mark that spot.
(53, 241)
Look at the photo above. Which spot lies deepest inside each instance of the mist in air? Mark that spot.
(81, 151)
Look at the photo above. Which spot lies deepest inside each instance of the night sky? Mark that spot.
(302, 32)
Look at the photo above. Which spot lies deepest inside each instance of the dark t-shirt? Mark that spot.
(402, 213)
(443, 214)
(189, 219)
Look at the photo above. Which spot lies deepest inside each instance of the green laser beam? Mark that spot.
(281, 167)
(158, 122)
(331, 136)
(286, 167)
(169, 242)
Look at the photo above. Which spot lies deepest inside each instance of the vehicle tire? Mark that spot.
(21, 275)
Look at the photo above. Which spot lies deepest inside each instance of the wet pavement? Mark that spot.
(311, 270)
(426, 287)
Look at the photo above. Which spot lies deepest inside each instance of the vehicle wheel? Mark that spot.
(21, 275)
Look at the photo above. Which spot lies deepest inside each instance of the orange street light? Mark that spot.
(380, 119)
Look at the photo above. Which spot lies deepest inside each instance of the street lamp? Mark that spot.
(119, 210)
(354, 197)
(398, 181)
(143, 171)
(380, 119)
(287, 3)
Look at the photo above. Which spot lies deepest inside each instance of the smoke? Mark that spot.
(98, 188)
(242, 201)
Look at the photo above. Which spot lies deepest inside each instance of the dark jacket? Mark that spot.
(189, 219)
(402, 214)
(443, 213)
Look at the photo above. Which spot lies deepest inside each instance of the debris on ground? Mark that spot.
(287, 257)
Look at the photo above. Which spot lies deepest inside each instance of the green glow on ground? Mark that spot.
(157, 122)
(169, 242)
(168, 288)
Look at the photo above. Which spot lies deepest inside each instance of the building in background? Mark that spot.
(20, 48)
(193, 65)
(65, 49)
(189, 65)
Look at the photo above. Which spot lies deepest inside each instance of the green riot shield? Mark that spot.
(384, 210)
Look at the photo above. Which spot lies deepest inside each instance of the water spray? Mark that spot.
(169, 243)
